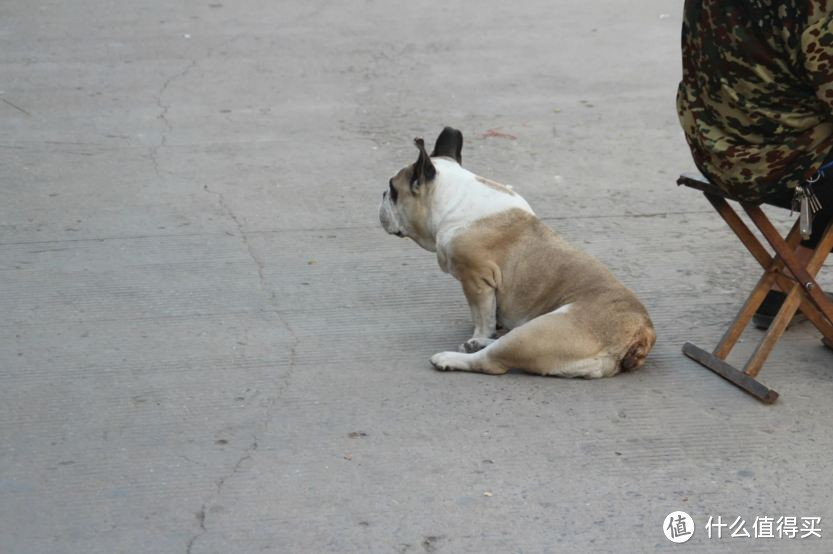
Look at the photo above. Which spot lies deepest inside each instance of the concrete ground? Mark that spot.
(209, 345)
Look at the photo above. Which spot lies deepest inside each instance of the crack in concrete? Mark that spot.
(164, 108)
(155, 161)
(153, 153)
(190, 460)
(218, 484)
(15, 106)
(158, 96)
(201, 519)
(248, 453)
(273, 299)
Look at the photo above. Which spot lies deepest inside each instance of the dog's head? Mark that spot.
(406, 202)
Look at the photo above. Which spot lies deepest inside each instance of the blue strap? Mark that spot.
(828, 165)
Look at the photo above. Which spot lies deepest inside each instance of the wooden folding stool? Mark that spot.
(781, 272)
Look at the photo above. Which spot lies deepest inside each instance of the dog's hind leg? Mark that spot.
(552, 344)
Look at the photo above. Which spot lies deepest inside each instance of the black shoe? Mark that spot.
(767, 311)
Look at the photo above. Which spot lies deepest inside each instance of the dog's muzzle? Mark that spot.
(387, 219)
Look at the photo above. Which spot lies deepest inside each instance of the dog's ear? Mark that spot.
(449, 143)
(424, 170)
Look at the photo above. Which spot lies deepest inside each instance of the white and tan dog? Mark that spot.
(567, 314)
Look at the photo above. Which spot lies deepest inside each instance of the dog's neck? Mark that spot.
(458, 198)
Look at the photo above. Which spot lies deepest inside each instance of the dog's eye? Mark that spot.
(393, 192)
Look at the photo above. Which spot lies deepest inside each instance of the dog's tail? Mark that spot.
(639, 348)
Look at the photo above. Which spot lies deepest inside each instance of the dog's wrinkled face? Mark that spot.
(399, 202)
(405, 204)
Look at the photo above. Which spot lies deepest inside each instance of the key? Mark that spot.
(795, 206)
(815, 204)
(805, 215)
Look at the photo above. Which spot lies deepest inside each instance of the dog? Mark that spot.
(565, 312)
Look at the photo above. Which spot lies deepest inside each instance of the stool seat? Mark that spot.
(697, 181)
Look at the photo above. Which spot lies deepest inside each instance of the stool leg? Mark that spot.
(803, 274)
(737, 225)
(771, 276)
(776, 329)
(735, 330)
(734, 376)
(716, 361)
(817, 318)
(814, 265)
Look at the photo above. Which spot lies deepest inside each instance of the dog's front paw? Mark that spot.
(475, 344)
(448, 361)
